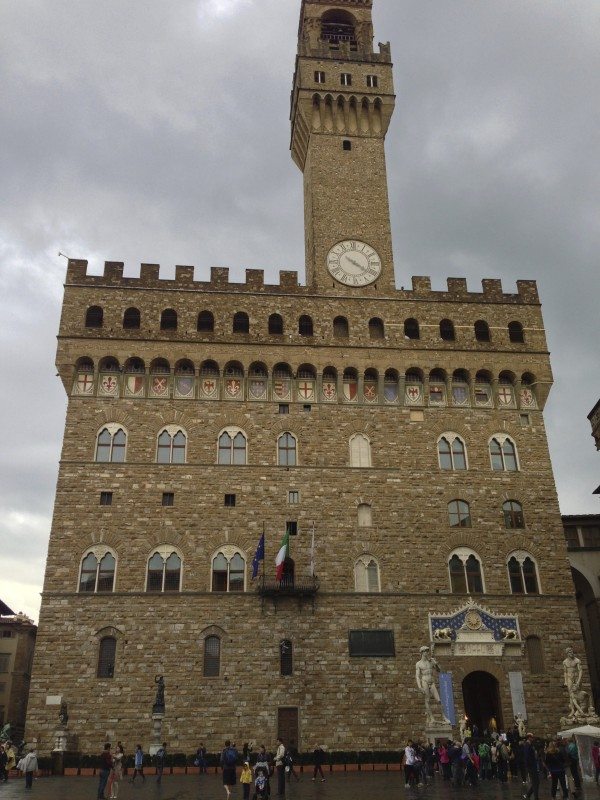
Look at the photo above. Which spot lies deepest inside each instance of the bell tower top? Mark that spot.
(342, 103)
(339, 27)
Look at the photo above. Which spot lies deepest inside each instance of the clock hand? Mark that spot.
(355, 263)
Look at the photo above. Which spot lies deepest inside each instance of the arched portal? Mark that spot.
(481, 696)
(588, 607)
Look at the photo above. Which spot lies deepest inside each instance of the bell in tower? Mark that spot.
(342, 102)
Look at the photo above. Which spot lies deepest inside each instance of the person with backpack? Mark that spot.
(485, 761)
(229, 758)
(502, 757)
(29, 765)
(159, 759)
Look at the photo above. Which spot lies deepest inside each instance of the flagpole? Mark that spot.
(264, 556)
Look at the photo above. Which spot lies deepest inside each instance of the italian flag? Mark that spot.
(283, 551)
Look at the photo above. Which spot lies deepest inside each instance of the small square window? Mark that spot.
(525, 420)
(168, 499)
(307, 408)
(106, 498)
(293, 498)
(319, 77)
(346, 145)
(2, 688)
(291, 527)
(372, 81)
(346, 79)
(284, 408)
(7, 634)
(229, 501)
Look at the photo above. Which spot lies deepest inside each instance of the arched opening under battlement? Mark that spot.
(338, 27)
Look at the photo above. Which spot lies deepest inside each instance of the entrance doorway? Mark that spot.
(481, 695)
(287, 727)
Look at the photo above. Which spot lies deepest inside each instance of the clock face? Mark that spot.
(354, 263)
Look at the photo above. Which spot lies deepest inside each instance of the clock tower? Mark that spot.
(342, 102)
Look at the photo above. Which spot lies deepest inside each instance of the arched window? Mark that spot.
(360, 451)
(241, 322)
(286, 450)
(466, 576)
(411, 329)
(365, 515)
(522, 573)
(206, 322)
(482, 331)
(171, 446)
(212, 657)
(286, 657)
(376, 328)
(94, 317)
(513, 514)
(305, 325)
(447, 330)
(232, 447)
(460, 387)
(168, 320)
(111, 443)
(503, 454)
(366, 574)
(452, 452)
(338, 27)
(391, 386)
(515, 332)
(276, 325)
(483, 388)
(97, 573)
(340, 328)
(164, 570)
(132, 319)
(106, 657)
(228, 571)
(535, 655)
(459, 514)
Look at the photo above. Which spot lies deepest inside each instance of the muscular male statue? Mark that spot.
(572, 677)
(425, 674)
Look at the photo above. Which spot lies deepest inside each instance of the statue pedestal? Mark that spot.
(60, 741)
(157, 720)
(437, 731)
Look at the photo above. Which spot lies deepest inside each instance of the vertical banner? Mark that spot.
(447, 696)
(517, 693)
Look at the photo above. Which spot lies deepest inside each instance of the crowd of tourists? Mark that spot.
(27, 765)
(499, 757)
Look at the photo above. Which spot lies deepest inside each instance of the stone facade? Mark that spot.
(368, 401)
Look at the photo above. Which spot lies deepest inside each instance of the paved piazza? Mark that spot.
(353, 786)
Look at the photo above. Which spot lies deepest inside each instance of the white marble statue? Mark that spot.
(573, 674)
(520, 723)
(426, 671)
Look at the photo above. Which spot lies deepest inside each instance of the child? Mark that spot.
(246, 779)
(261, 784)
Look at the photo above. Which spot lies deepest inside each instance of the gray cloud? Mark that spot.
(152, 131)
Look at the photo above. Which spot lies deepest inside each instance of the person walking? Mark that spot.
(117, 772)
(106, 763)
(409, 762)
(138, 764)
(291, 754)
(159, 758)
(30, 766)
(319, 759)
(229, 757)
(554, 760)
(573, 761)
(280, 767)
(444, 761)
(531, 765)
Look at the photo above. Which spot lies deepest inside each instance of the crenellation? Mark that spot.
(457, 286)
(219, 277)
(288, 279)
(421, 285)
(113, 271)
(528, 291)
(149, 273)
(255, 279)
(184, 275)
(492, 288)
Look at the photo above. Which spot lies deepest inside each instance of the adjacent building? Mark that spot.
(395, 435)
(17, 642)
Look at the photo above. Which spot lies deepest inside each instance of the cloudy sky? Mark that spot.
(158, 131)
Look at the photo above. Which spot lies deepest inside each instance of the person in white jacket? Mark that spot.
(29, 764)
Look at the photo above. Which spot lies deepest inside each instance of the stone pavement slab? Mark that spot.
(338, 786)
